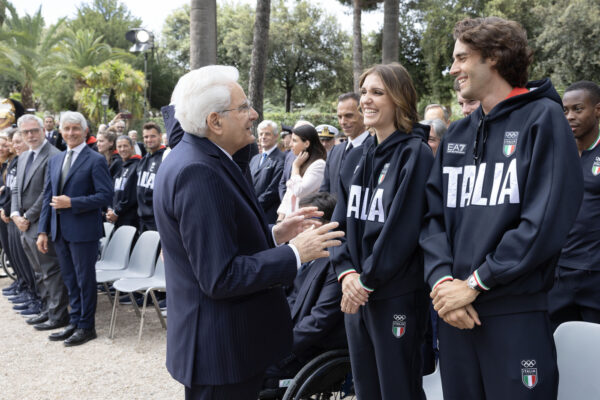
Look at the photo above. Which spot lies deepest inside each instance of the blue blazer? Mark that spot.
(288, 160)
(316, 314)
(332, 169)
(266, 181)
(228, 316)
(90, 187)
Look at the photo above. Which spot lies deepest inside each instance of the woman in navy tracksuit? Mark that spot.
(124, 208)
(379, 264)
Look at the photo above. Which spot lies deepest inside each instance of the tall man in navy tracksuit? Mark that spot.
(146, 174)
(502, 196)
(575, 295)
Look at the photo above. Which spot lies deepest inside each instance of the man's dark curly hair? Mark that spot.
(501, 40)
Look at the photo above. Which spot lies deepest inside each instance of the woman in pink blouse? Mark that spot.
(307, 170)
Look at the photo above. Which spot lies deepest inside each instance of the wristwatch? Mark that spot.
(472, 284)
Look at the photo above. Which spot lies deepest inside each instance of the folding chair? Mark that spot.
(578, 355)
(147, 286)
(116, 253)
(141, 265)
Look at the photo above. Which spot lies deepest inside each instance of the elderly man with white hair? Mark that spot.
(267, 168)
(225, 268)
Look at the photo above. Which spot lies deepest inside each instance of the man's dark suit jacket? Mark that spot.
(332, 169)
(316, 314)
(266, 182)
(56, 140)
(228, 316)
(90, 187)
(287, 172)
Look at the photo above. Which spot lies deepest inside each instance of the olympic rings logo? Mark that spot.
(398, 317)
(528, 363)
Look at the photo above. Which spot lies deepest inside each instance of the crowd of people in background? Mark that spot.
(453, 227)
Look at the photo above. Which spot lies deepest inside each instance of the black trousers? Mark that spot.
(19, 261)
(574, 297)
(385, 339)
(509, 356)
(247, 390)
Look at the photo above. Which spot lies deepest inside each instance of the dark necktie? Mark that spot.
(65, 170)
(29, 162)
(350, 147)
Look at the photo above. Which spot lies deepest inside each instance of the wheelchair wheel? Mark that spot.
(326, 377)
(6, 266)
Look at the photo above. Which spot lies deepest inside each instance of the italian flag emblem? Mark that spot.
(510, 143)
(596, 166)
(509, 150)
(529, 374)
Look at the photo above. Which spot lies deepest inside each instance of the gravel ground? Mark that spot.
(32, 367)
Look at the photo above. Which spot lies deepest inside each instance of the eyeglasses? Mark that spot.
(244, 107)
(30, 131)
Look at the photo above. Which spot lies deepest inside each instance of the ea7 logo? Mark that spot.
(456, 148)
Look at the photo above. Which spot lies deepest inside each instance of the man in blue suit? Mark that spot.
(266, 169)
(78, 186)
(228, 317)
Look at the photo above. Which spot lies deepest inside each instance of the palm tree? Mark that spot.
(78, 50)
(125, 83)
(203, 33)
(29, 46)
(357, 53)
(390, 49)
(258, 65)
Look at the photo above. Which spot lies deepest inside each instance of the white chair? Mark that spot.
(147, 286)
(108, 230)
(118, 248)
(115, 255)
(578, 354)
(432, 385)
(141, 265)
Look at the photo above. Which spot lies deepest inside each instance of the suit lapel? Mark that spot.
(39, 159)
(83, 155)
(56, 173)
(235, 172)
(312, 273)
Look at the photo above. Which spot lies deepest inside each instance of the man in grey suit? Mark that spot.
(25, 212)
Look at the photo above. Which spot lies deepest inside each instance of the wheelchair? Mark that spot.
(327, 376)
(8, 269)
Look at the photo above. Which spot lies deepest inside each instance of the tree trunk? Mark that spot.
(288, 98)
(203, 33)
(258, 65)
(357, 63)
(27, 96)
(391, 43)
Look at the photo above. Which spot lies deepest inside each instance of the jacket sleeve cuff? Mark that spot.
(296, 254)
(345, 273)
(439, 275)
(483, 277)
(446, 278)
(368, 289)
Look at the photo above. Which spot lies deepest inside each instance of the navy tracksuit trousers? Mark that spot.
(385, 339)
(508, 357)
